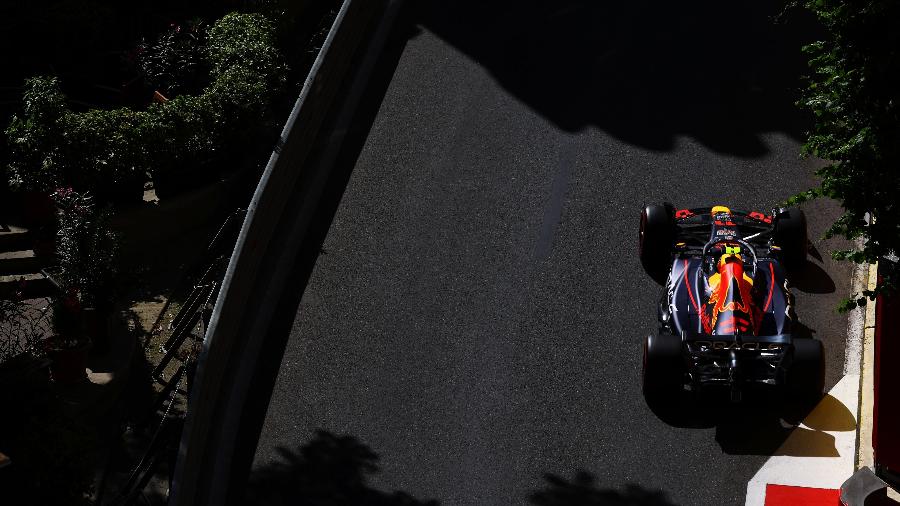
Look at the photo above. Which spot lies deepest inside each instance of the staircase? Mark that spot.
(20, 268)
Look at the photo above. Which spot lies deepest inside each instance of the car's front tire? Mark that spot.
(792, 236)
(657, 236)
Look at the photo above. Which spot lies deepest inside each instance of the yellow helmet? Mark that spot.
(730, 257)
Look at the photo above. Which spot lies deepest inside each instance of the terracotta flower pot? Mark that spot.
(68, 364)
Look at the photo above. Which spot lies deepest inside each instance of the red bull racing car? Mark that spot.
(725, 314)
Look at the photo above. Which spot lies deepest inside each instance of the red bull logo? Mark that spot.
(730, 309)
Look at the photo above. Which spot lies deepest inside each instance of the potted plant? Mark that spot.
(87, 250)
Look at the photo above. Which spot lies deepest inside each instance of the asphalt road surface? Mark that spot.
(476, 315)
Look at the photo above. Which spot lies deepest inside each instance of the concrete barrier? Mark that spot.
(886, 412)
(278, 219)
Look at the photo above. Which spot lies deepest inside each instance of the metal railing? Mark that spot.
(278, 220)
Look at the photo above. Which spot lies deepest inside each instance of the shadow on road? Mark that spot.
(812, 278)
(765, 432)
(330, 470)
(582, 491)
(765, 425)
(333, 470)
(645, 72)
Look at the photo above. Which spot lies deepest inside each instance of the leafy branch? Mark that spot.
(853, 93)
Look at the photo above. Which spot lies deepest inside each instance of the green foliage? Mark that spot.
(109, 152)
(243, 40)
(174, 61)
(247, 72)
(854, 94)
(105, 153)
(98, 150)
(87, 249)
(35, 139)
(196, 123)
(247, 68)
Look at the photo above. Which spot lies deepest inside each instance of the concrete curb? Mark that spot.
(864, 451)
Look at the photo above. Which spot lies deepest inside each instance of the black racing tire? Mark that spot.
(806, 375)
(792, 236)
(657, 237)
(662, 375)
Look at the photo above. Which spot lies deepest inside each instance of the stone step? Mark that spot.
(14, 238)
(31, 284)
(19, 262)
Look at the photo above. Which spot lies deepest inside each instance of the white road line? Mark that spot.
(820, 452)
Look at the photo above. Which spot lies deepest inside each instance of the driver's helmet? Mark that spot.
(730, 308)
(730, 257)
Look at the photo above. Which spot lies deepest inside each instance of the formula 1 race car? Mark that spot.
(725, 314)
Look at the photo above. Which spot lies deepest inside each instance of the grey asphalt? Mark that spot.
(476, 315)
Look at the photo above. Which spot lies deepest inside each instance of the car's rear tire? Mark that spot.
(806, 375)
(792, 236)
(657, 236)
(662, 374)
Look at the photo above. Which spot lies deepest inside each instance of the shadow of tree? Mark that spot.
(645, 72)
(329, 470)
(582, 491)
